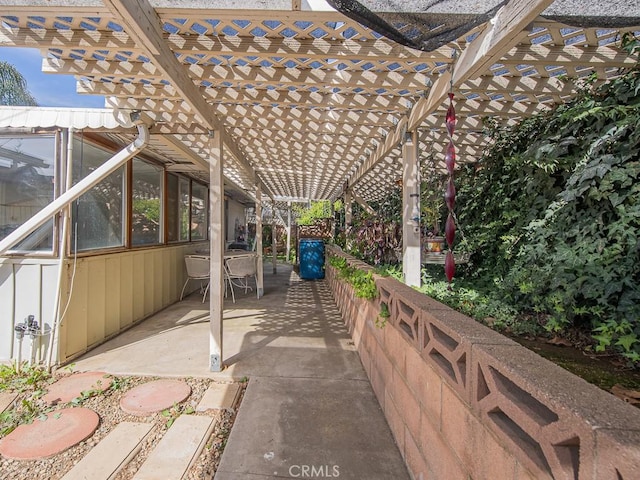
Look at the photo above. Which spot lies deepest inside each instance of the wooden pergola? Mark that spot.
(308, 101)
(295, 103)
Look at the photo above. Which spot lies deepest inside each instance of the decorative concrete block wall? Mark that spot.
(464, 402)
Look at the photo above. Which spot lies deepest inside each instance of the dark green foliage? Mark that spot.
(552, 214)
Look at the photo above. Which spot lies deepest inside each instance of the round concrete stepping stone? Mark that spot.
(154, 397)
(68, 388)
(45, 438)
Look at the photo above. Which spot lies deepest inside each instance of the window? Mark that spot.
(146, 200)
(98, 215)
(177, 208)
(199, 212)
(30, 180)
(27, 168)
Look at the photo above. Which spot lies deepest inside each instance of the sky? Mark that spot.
(49, 90)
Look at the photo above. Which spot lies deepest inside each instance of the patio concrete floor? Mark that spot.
(309, 407)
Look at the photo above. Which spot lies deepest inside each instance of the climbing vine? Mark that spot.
(553, 214)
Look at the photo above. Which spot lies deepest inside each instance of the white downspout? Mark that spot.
(77, 190)
(66, 219)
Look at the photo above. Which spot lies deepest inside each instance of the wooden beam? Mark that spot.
(295, 48)
(143, 24)
(298, 152)
(516, 85)
(305, 139)
(258, 48)
(499, 35)
(88, 40)
(239, 116)
(363, 204)
(267, 98)
(255, 78)
(502, 32)
(567, 55)
(258, 242)
(175, 144)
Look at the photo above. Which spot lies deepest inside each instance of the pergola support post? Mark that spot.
(274, 242)
(411, 262)
(288, 231)
(260, 285)
(216, 245)
(348, 208)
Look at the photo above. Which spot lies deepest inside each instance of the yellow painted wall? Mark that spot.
(112, 292)
(108, 293)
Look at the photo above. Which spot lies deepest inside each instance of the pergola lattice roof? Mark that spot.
(312, 100)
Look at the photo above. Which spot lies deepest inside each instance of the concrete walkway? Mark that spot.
(308, 411)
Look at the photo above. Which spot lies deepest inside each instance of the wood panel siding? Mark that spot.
(109, 293)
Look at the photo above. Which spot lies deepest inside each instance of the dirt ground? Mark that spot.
(106, 405)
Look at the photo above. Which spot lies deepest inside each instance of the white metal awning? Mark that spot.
(49, 117)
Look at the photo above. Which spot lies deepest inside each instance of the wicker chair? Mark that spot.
(197, 269)
(239, 271)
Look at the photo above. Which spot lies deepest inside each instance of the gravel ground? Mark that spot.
(106, 405)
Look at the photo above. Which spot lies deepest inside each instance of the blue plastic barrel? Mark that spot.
(311, 257)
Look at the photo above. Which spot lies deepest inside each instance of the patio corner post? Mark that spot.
(260, 286)
(348, 208)
(216, 239)
(288, 231)
(274, 240)
(411, 261)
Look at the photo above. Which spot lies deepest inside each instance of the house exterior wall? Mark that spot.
(27, 287)
(235, 217)
(463, 401)
(108, 294)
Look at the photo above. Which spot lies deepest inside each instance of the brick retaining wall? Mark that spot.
(464, 402)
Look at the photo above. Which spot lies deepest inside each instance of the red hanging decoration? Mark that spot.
(451, 116)
(449, 266)
(450, 195)
(450, 157)
(450, 231)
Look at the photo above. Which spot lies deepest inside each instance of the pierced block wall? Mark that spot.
(464, 402)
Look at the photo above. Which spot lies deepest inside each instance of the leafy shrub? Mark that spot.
(375, 242)
(554, 212)
(364, 285)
